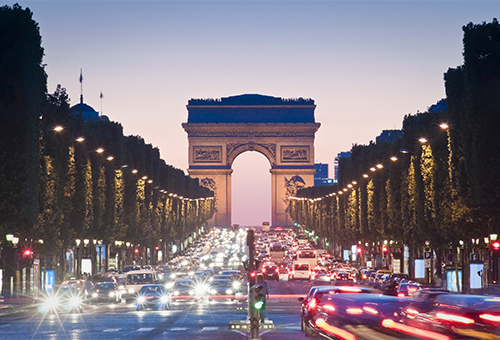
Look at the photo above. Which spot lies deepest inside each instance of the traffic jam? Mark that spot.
(340, 294)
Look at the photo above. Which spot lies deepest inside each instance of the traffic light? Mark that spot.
(385, 249)
(496, 245)
(136, 250)
(27, 253)
(251, 278)
(258, 297)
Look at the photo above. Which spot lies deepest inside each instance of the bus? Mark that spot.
(277, 252)
(309, 256)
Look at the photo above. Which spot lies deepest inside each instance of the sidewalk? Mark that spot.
(12, 306)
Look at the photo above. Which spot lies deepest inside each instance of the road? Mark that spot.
(205, 320)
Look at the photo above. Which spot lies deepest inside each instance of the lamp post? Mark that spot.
(78, 259)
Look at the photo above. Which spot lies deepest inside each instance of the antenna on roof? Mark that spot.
(81, 87)
(101, 101)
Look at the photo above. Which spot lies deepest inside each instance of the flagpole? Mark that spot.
(81, 87)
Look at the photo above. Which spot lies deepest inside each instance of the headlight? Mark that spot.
(131, 291)
(236, 284)
(164, 298)
(75, 301)
(213, 291)
(201, 289)
(229, 291)
(176, 292)
(141, 299)
(169, 285)
(111, 294)
(51, 303)
(94, 294)
(172, 276)
(191, 292)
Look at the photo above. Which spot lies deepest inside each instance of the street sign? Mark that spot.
(427, 259)
(474, 257)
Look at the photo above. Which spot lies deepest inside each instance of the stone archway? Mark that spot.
(281, 129)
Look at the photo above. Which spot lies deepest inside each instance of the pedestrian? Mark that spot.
(265, 295)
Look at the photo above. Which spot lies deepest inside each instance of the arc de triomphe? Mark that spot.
(283, 130)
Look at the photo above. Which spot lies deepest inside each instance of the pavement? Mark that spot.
(12, 306)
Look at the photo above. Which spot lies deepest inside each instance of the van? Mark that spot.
(135, 279)
(300, 271)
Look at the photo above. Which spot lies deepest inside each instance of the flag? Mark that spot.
(101, 95)
(81, 77)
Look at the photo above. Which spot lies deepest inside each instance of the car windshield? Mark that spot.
(152, 290)
(219, 283)
(133, 279)
(182, 284)
(105, 286)
(301, 267)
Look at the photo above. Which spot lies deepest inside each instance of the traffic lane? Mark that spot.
(190, 322)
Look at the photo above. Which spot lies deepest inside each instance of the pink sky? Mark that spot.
(365, 63)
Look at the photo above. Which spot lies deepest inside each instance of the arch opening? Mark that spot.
(250, 189)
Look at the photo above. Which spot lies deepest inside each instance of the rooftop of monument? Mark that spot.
(250, 100)
(251, 108)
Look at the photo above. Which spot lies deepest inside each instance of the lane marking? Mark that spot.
(112, 330)
(145, 329)
(210, 328)
(178, 329)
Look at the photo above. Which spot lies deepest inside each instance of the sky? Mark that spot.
(366, 64)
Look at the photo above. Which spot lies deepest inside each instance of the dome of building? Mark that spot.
(87, 112)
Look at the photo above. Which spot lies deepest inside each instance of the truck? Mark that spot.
(266, 226)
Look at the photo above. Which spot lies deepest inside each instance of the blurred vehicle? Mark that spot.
(408, 288)
(300, 271)
(153, 296)
(135, 279)
(66, 299)
(316, 298)
(344, 278)
(270, 272)
(322, 277)
(459, 315)
(129, 268)
(105, 292)
(222, 289)
(184, 289)
(423, 299)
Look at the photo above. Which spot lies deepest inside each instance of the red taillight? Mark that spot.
(263, 270)
(455, 318)
(490, 317)
(355, 311)
(277, 270)
(401, 295)
(313, 303)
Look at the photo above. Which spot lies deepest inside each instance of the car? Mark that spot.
(270, 272)
(105, 292)
(458, 315)
(408, 288)
(300, 271)
(343, 278)
(309, 307)
(188, 289)
(221, 289)
(66, 299)
(153, 296)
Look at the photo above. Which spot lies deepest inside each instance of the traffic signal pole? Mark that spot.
(253, 314)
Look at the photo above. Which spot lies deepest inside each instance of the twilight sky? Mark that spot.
(365, 63)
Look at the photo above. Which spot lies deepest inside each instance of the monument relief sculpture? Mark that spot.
(283, 130)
